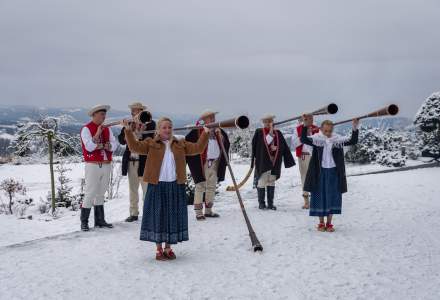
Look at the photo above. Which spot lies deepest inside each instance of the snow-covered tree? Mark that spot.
(429, 112)
(64, 190)
(11, 187)
(384, 146)
(44, 137)
(241, 142)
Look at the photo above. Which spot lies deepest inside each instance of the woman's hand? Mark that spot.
(126, 123)
(206, 129)
(355, 124)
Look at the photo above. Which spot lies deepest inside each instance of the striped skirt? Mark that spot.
(165, 217)
(328, 200)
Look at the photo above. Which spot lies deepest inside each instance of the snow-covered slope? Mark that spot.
(386, 247)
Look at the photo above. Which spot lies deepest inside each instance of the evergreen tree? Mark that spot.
(429, 113)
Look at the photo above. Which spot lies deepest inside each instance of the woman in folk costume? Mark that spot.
(269, 148)
(98, 144)
(208, 168)
(326, 178)
(304, 155)
(165, 215)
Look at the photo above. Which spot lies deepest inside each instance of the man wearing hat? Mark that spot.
(269, 148)
(304, 155)
(133, 164)
(98, 144)
(208, 168)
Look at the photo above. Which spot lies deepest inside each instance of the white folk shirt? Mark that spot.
(90, 145)
(168, 167)
(328, 144)
(213, 152)
(269, 139)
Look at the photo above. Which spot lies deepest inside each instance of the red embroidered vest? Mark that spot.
(299, 129)
(97, 155)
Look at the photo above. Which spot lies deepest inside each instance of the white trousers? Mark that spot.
(97, 179)
(304, 162)
(134, 181)
(207, 187)
(266, 179)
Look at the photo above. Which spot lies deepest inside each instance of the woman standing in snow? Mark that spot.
(165, 215)
(326, 179)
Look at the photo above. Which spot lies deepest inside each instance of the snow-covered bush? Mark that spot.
(115, 179)
(190, 189)
(385, 147)
(64, 190)
(429, 112)
(11, 188)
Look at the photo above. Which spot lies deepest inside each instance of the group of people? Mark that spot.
(156, 160)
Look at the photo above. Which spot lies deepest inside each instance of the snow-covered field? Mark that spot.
(386, 246)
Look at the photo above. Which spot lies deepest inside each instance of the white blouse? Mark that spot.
(168, 167)
(328, 144)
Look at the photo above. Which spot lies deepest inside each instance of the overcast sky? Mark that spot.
(235, 56)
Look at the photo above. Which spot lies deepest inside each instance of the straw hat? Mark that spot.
(97, 108)
(207, 113)
(270, 117)
(137, 105)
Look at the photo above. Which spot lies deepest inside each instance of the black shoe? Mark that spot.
(85, 213)
(99, 217)
(131, 219)
(270, 197)
(212, 215)
(261, 196)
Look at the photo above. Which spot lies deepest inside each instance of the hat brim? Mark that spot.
(95, 109)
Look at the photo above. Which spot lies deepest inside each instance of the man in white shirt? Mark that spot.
(209, 168)
(98, 144)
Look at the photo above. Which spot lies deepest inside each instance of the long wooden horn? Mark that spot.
(240, 122)
(143, 117)
(390, 110)
(330, 109)
(256, 245)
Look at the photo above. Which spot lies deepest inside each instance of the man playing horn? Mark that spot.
(269, 148)
(304, 154)
(133, 164)
(98, 144)
(208, 168)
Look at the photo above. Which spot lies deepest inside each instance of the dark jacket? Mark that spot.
(127, 152)
(314, 172)
(195, 162)
(261, 159)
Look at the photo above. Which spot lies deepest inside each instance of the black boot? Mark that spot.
(131, 219)
(99, 217)
(85, 213)
(261, 196)
(270, 197)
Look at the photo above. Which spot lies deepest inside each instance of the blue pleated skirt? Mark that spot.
(165, 214)
(328, 200)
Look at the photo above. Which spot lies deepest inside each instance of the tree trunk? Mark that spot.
(10, 203)
(52, 176)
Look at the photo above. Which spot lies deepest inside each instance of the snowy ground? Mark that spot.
(386, 246)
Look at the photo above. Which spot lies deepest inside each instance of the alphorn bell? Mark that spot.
(143, 117)
(390, 110)
(330, 109)
(241, 122)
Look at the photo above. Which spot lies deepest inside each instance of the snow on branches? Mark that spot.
(429, 113)
(32, 138)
